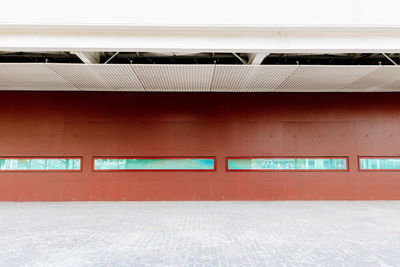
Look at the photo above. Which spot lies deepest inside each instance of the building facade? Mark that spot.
(115, 109)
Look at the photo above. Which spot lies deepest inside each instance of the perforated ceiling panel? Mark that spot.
(187, 78)
(31, 77)
(99, 77)
(393, 86)
(323, 78)
(198, 78)
(385, 78)
(246, 78)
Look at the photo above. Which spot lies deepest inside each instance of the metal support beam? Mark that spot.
(108, 60)
(391, 60)
(88, 57)
(256, 59)
(240, 58)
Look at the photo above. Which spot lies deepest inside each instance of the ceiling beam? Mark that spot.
(88, 57)
(240, 58)
(391, 60)
(192, 39)
(256, 59)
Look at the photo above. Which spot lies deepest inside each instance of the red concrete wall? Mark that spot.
(100, 124)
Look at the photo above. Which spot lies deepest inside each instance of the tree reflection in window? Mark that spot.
(386, 163)
(39, 164)
(287, 163)
(154, 164)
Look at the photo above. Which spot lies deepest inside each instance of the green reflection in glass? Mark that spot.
(154, 164)
(287, 164)
(39, 164)
(380, 164)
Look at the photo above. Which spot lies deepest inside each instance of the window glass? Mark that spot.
(154, 164)
(287, 163)
(380, 163)
(39, 164)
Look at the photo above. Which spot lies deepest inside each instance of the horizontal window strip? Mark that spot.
(154, 164)
(379, 163)
(287, 164)
(40, 164)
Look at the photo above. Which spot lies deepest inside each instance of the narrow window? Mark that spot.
(287, 164)
(154, 164)
(379, 163)
(40, 164)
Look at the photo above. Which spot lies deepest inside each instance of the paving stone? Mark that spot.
(309, 233)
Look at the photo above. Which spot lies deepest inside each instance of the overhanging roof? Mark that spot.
(193, 39)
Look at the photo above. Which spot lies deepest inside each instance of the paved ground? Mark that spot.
(200, 233)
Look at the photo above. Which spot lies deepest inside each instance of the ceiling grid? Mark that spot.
(247, 78)
(323, 78)
(31, 77)
(383, 79)
(99, 77)
(61, 76)
(175, 78)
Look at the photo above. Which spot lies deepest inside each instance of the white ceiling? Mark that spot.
(206, 12)
(198, 78)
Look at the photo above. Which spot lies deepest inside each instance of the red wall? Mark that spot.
(200, 124)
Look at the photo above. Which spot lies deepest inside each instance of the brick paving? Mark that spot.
(200, 234)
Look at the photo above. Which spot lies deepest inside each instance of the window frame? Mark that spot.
(155, 157)
(288, 170)
(44, 157)
(376, 157)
